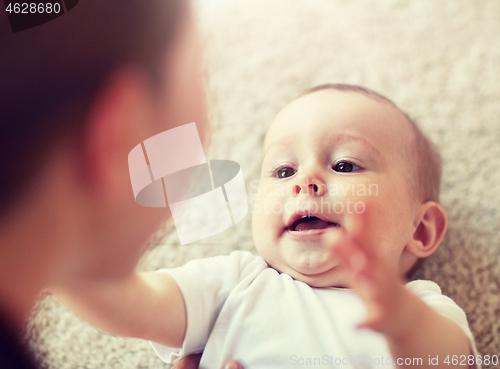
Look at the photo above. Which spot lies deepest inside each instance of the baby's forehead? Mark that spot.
(326, 113)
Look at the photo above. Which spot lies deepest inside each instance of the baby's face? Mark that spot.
(342, 158)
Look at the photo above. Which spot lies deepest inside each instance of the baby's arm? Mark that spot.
(143, 305)
(413, 330)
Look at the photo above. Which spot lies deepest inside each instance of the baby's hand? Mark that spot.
(376, 280)
(412, 329)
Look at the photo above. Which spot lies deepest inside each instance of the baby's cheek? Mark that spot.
(380, 223)
(275, 200)
(353, 192)
(267, 211)
(355, 202)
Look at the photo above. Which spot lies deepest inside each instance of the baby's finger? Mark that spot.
(346, 249)
(334, 237)
(358, 230)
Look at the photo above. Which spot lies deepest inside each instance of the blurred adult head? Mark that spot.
(77, 94)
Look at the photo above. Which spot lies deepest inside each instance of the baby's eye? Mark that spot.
(285, 172)
(346, 167)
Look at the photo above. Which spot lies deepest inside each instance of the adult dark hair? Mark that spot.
(50, 74)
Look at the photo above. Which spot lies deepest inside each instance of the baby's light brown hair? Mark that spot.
(423, 155)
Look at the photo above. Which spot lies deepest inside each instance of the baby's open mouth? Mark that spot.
(310, 222)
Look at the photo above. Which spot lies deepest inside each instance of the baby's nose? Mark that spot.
(311, 187)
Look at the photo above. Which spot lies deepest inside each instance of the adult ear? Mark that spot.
(118, 120)
(431, 223)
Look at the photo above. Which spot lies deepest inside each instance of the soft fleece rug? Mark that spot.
(438, 60)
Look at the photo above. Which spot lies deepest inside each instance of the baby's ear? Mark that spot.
(430, 226)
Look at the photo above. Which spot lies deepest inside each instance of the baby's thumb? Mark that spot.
(334, 238)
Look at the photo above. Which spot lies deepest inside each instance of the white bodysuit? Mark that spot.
(240, 308)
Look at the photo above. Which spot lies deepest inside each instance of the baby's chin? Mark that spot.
(307, 262)
(332, 277)
(321, 281)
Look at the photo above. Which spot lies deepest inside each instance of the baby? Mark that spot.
(347, 205)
